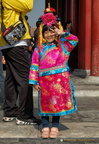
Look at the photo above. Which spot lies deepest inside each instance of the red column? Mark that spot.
(84, 46)
(95, 38)
(72, 14)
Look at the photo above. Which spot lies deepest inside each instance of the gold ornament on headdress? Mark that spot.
(48, 4)
(60, 26)
(41, 40)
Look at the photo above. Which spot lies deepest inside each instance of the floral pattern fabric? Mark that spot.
(56, 97)
(49, 68)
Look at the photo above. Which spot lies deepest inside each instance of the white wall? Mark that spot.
(38, 10)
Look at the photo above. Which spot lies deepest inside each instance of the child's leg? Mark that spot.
(55, 125)
(45, 121)
(55, 121)
(45, 125)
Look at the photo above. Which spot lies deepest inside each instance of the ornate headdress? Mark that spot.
(48, 19)
(49, 9)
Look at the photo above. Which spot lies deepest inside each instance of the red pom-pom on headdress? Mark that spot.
(49, 19)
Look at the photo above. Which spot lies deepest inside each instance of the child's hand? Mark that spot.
(37, 87)
(57, 31)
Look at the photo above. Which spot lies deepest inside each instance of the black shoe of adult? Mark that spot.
(25, 121)
(36, 120)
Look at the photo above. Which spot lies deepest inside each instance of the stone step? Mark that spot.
(86, 80)
(87, 93)
(87, 90)
(88, 86)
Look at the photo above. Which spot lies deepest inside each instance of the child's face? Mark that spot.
(49, 36)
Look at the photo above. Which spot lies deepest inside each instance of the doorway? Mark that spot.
(68, 10)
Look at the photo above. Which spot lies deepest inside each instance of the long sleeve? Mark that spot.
(33, 75)
(70, 41)
(19, 5)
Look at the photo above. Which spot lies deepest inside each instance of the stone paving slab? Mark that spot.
(67, 129)
(78, 130)
(11, 130)
(50, 141)
(82, 124)
(87, 103)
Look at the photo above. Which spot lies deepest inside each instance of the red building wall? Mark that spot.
(84, 46)
(85, 19)
(95, 38)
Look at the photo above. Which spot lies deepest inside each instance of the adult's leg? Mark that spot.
(29, 102)
(19, 64)
(1, 80)
(10, 108)
(25, 90)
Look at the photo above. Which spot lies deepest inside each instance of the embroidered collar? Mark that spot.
(50, 43)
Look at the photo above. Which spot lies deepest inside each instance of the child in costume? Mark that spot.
(49, 74)
(46, 11)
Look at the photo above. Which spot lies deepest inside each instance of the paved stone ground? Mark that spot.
(49, 141)
(81, 127)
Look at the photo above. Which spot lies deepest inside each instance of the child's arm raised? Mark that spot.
(70, 40)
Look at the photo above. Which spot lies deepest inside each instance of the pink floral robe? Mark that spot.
(49, 68)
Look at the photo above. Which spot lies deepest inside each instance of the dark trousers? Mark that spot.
(55, 121)
(16, 83)
(1, 80)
